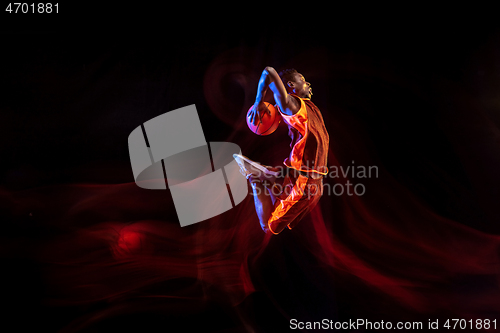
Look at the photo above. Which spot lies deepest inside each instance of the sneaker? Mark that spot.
(252, 169)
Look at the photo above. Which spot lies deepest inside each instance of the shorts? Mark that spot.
(296, 197)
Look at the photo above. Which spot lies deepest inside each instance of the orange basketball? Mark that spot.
(268, 122)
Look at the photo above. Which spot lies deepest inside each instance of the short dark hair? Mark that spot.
(288, 75)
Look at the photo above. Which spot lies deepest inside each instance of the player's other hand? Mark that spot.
(257, 112)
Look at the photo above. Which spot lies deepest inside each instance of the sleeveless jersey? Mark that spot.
(310, 139)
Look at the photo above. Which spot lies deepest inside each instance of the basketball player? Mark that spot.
(306, 164)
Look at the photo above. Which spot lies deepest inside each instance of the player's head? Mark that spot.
(295, 83)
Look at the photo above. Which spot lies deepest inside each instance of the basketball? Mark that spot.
(268, 122)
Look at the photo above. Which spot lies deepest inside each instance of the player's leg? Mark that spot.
(261, 180)
(264, 203)
(304, 195)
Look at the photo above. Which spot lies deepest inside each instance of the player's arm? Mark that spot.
(270, 80)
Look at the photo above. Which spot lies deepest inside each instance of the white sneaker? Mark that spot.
(249, 168)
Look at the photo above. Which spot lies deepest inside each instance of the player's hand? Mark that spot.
(257, 112)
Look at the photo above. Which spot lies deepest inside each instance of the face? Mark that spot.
(300, 86)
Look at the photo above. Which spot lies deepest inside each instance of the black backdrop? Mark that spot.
(417, 97)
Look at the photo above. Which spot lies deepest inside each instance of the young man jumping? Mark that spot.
(307, 163)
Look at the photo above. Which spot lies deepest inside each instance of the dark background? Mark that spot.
(416, 95)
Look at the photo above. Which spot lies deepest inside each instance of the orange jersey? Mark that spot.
(310, 139)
